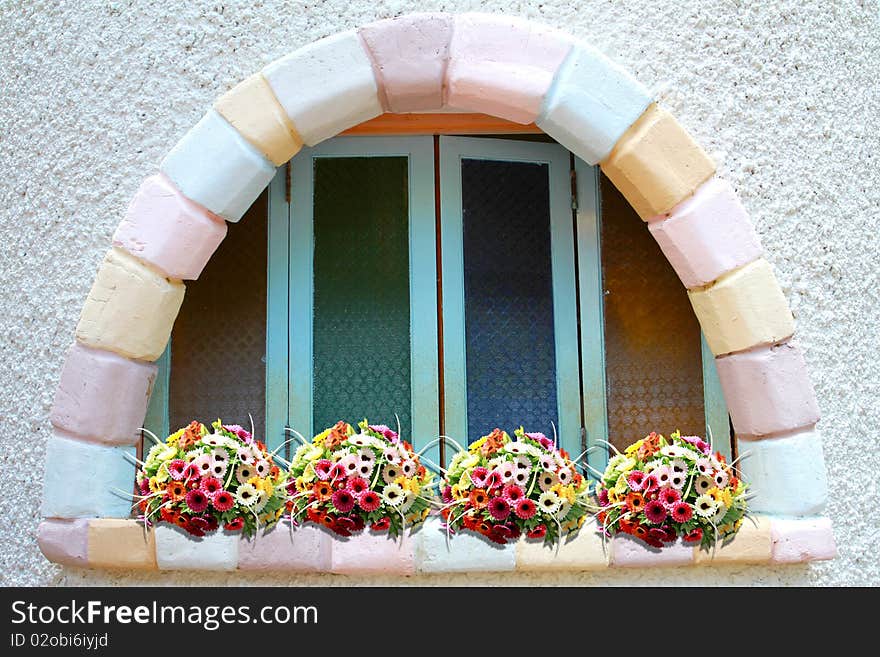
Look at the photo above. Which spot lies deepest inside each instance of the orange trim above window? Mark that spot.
(440, 124)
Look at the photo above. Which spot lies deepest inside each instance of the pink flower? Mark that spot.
(669, 497)
(389, 433)
(338, 471)
(478, 476)
(196, 500)
(343, 500)
(211, 485)
(525, 508)
(239, 431)
(603, 497)
(636, 480)
(322, 469)
(447, 494)
(499, 508)
(223, 501)
(494, 479)
(650, 483)
(357, 486)
(512, 493)
(682, 512)
(369, 501)
(176, 469)
(545, 442)
(655, 512)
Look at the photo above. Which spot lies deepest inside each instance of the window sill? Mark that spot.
(121, 543)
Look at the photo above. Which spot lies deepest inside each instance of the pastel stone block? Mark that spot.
(102, 397)
(768, 390)
(373, 553)
(217, 168)
(656, 164)
(130, 308)
(83, 480)
(628, 552)
(177, 550)
(120, 543)
(591, 104)
(785, 474)
(64, 541)
(167, 230)
(326, 86)
(252, 109)
(751, 544)
(743, 309)
(306, 549)
(465, 552)
(409, 57)
(707, 235)
(583, 551)
(502, 65)
(806, 539)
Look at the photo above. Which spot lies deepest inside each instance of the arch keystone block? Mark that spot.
(121, 543)
(252, 109)
(591, 104)
(786, 474)
(64, 541)
(743, 309)
(84, 480)
(583, 551)
(768, 390)
(102, 397)
(167, 230)
(326, 86)
(707, 235)
(217, 168)
(130, 308)
(502, 65)
(409, 55)
(807, 539)
(656, 164)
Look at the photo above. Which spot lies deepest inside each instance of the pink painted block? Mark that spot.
(306, 549)
(65, 541)
(409, 57)
(502, 65)
(804, 539)
(768, 390)
(102, 397)
(707, 235)
(628, 552)
(166, 229)
(372, 553)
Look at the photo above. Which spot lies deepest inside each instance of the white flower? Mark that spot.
(394, 495)
(549, 502)
(390, 472)
(494, 463)
(720, 512)
(218, 469)
(365, 469)
(358, 439)
(531, 450)
(547, 480)
(390, 455)
(366, 454)
(261, 468)
(546, 462)
(515, 447)
(204, 463)
(679, 465)
(247, 494)
(523, 462)
(408, 501)
(677, 480)
(704, 466)
(408, 468)
(650, 466)
(244, 472)
(564, 476)
(214, 439)
(262, 501)
(521, 477)
(560, 462)
(506, 471)
(244, 455)
(703, 484)
(350, 463)
(705, 506)
(564, 508)
(674, 451)
(662, 474)
(219, 455)
(338, 455)
(721, 479)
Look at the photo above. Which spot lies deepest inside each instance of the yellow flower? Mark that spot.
(155, 486)
(458, 493)
(621, 485)
(632, 449)
(319, 439)
(174, 437)
(162, 474)
(308, 474)
(475, 446)
(612, 496)
(715, 494)
(301, 484)
(727, 498)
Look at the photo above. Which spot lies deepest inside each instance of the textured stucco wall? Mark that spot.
(783, 94)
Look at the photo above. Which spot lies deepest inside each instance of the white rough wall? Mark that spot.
(784, 95)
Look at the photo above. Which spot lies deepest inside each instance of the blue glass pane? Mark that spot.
(510, 352)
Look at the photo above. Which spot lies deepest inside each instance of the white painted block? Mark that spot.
(629, 552)
(465, 551)
(803, 539)
(85, 480)
(786, 474)
(216, 167)
(326, 86)
(591, 104)
(177, 550)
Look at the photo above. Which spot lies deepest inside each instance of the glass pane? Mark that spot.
(361, 336)
(652, 338)
(510, 352)
(218, 346)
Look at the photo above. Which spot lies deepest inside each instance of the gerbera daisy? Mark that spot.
(538, 532)
(244, 472)
(408, 468)
(244, 455)
(525, 508)
(635, 502)
(564, 508)
(506, 471)
(381, 525)
(546, 462)
(343, 500)
(369, 501)
(703, 466)
(387, 432)
(322, 490)
(547, 480)
(223, 501)
(394, 494)
(494, 479)
(210, 485)
(603, 497)
(322, 469)
(703, 485)
(357, 485)
(365, 469)
(677, 480)
(177, 490)
(549, 502)
(197, 501)
(564, 476)
(512, 493)
(479, 498)
(679, 465)
(390, 472)
(261, 468)
(390, 454)
(499, 509)
(522, 462)
(247, 495)
(521, 477)
(234, 525)
(203, 465)
(446, 494)
(176, 469)
(693, 536)
(478, 476)
(669, 497)
(650, 483)
(721, 479)
(636, 480)
(366, 454)
(662, 474)
(655, 512)
(705, 506)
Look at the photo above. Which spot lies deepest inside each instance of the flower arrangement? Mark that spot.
(662, 488)
(503, 488)
(346, 479)
(200, 479)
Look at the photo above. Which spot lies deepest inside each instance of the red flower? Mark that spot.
(211, 485)
(343, 500)
(655, 512)
(223, 501)
(682, 512)
(669, 497)
(357, 485)
(196, 500)
(369, 501)
(538, 532)
(525, 508)
(381, 525)
(499, 508)
(694, 536)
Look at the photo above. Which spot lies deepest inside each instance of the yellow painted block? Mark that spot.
(120, 543)
(753, 543)
(130, 309)
(742, 309)
(584, 551)
(252, 109)
(656, 164)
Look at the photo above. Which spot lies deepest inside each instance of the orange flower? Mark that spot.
(650, 445)
(274, 471)
(315, 515)
(323, 490)
(338, 434)
(628, 526)
(639, 531)
(406, 446)
(260, 445)
(469, 521)
(635, 502)
(494, 442)
(288, 506)
(190, 435)
(733, 483)
(177, 490)
(479, 498)
(483, 527)
(601, 517)
(444, 513)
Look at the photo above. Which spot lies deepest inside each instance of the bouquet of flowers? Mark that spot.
(346, 479)
(200, 479)
(502, 488)
(662, 488)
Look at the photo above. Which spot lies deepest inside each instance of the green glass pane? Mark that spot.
(361, 339)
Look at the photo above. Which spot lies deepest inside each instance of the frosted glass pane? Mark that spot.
(652, 338)
(510, 348)
(361, 339)
(218, 346)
